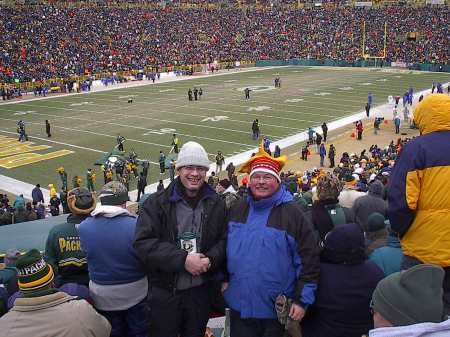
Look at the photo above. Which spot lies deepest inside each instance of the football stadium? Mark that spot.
(222, 168)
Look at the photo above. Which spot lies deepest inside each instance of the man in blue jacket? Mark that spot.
(271, 251)
(118, 285)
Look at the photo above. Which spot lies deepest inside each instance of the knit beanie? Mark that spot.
(113, 193)
(33, 273)
(375, 222)
(80, 201)
(328, 187)
(411, 296)
(192, 153)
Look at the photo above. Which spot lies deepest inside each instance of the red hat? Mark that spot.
(263, 162)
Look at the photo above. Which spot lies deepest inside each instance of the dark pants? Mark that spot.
(183, 313)
(397, 129)
(252, 327)
(141, 190)
(359, 135)
(409, 261)
(331, 162)
(128, 323)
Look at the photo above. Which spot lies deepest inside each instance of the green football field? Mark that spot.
(86, 125)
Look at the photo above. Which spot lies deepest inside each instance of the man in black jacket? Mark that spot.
(181, 239)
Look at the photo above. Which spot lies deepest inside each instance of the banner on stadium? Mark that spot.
(399, 65)
(435, 2)
(363, 4)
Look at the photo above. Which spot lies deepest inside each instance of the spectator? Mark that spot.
(63, 249)
(8, 275)
(324, 127)
(397, 122)
(43, 308)
(349, 193)
(370, 203)
(40, 210)
(220, 161)
(160, 186)
(19, 202)
(405, 303)
(347, 281)
(20, 214)
(322, 154)
(271, 250)
(37, 195)
(327, 213)
(230, 171)
(318, 142)
(418, 203)
(180, 237)
(142, 183)
(376, 233)
(227, 192)
(118, 285)
(388, 258)
(30, 213)
(331, 155)
(54, 205)
(213, 180)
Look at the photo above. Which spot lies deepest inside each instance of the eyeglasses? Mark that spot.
(192, 168)
(264, 178)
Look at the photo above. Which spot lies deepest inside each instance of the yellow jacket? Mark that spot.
(419, 193)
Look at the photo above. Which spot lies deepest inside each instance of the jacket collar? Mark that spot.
(41, 302)
(281, 196)
(176, 193)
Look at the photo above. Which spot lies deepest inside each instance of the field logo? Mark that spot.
(257, 88)
(81, 103)
(215, 119)
(294, 100)
(322, 93)
(259, 108)
(19, 113)
(346, 88)
(15, 154)
(127, 96)
(159, 132)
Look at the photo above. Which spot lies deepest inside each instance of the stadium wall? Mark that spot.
(341, 63)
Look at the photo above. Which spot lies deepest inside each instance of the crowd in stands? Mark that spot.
(362, 249)
(44, 42)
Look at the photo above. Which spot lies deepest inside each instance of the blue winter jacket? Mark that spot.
(108, 244)
(389, 257)
(271, 250)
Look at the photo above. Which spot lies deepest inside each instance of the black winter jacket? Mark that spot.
(156, 237)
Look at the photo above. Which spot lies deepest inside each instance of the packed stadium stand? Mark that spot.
(48, 41)
(352, 242)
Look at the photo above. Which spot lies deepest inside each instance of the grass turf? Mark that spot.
(221, 120)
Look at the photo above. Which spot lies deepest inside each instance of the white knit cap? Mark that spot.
(192, 153)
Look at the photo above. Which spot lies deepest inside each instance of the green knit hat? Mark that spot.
(411, 296)
(375, 222)
(33, 273)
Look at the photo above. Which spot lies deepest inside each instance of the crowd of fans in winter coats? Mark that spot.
(44, 42)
